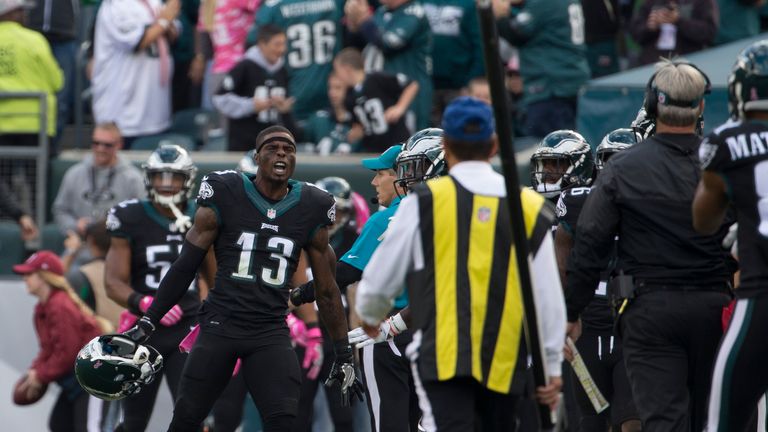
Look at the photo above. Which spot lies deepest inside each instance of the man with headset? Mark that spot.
(673, 281)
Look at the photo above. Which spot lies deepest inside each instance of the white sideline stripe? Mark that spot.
(373, 387)
(427, 418)
(95, 406)
(716, 396)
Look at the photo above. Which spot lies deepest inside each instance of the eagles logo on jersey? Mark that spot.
(259, 242)
(155, 244)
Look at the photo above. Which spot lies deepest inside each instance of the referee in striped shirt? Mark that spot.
(451, 243)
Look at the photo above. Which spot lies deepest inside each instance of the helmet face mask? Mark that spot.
(614, 142)
(562, 160)
(112, 367)
(167, 165)
(423, 160)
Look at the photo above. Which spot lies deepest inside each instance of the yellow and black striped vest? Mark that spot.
(466, 302)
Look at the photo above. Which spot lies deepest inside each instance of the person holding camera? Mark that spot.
(666, 28)
(675, 279)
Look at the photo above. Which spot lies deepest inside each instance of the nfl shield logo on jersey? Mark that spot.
(271, 213)
(483, 214)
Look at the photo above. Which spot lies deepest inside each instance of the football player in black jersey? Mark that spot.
(258, 226)
(600, 349)
(734, 158)
(146, 238)
(563, 159)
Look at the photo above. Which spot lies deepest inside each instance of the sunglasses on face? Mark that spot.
(105, 144)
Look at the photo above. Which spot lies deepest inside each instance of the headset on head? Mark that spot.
(653, 96)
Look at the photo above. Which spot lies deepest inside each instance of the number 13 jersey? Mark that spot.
(259, 244)
(738, 152)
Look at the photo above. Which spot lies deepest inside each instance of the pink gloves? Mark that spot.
(311, 340)
(172, 317)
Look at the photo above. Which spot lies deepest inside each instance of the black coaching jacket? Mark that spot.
(644, 195)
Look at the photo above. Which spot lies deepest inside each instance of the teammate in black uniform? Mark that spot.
(598, 346)
(146, 238)
(735, 162)
(258, 226)
(562, 160)
(343, 234)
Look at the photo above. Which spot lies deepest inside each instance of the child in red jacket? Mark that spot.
(63, 324)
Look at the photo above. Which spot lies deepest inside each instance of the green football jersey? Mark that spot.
(328, 134)
(405, 47)
(550, 34)
(314, 35)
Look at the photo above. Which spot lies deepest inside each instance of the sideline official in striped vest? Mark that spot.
(451, 243)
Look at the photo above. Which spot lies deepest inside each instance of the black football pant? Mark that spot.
(137, 409)
(69, 414)
(389, 387)
(228, 408)
(269, 367)
(603, 356)
(740, 376)
(463, 405)
(670, 342)
(341, 417)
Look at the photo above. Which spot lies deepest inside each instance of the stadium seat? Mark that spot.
(194, 123)
(12, 250)
(152, 142)
(53, 239)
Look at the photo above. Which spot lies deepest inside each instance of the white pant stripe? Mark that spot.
(716, 394)
(373, 387)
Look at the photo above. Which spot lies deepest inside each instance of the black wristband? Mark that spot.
(133, 303)
(312, 325)
(343, 350)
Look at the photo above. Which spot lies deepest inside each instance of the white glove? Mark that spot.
(388, 329)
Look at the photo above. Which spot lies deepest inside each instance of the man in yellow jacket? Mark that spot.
(26, 65)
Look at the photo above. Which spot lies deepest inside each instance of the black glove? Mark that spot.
(303, 294)
(140, 332)
(343, 374)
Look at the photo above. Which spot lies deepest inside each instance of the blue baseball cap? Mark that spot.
(468, 119)
(385, 161)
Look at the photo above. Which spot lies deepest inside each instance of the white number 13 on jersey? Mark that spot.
(281, 248)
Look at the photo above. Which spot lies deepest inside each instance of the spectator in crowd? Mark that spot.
(602, 24)
(231, 20)
(514, 84)
(739, 19)
(8, 207)
(553, 65)
(399, 42)
(479, 89)
(101, 180)
(675, 280)
(329, 129)
(133, 67)
(88, 280)
(63, 324)
(26, 65)
(254, 94)
(457, 52)
(378, 101)
(667, 28)
(314, 38)
(185, 91)
(58, 20)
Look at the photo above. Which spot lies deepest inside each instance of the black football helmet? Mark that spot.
(643, 125)
(247, 164)
(342, 194)
(614, 142)
(421, 159)
(563, 159)
(112, 366)
(748, 81)
(169, 160)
